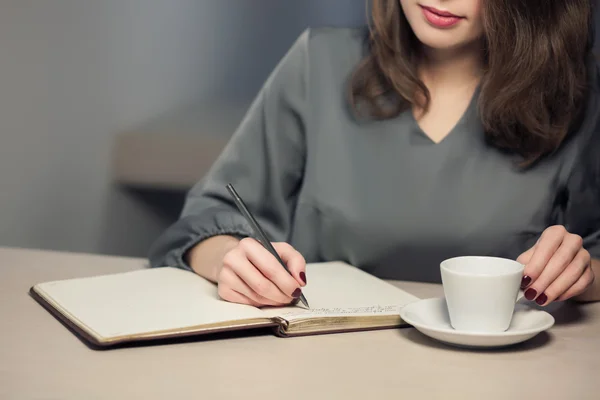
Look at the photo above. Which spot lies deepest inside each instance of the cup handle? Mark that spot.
(520, 295)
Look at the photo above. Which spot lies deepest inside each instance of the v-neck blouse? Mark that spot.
(381, 195)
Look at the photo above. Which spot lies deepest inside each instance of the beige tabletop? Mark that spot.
(40, 359)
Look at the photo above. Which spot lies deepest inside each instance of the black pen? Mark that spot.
(260, 234)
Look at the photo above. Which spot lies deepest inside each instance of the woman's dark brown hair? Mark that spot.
(534, 84)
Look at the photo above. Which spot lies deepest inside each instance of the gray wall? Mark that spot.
(73, 73)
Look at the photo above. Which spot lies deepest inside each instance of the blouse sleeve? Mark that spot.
(264, 161)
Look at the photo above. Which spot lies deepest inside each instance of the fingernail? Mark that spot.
(542, 298)
(296, 293)
(303, 277)
(530, 294)
(525, 281)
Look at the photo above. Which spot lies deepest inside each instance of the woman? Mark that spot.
(457, 127)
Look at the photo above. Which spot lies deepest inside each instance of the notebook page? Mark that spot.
(337, 289)
(144, 301)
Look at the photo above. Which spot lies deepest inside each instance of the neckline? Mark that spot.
(461, 121)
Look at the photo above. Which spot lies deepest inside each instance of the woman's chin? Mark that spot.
(441, 41)
(441, 45)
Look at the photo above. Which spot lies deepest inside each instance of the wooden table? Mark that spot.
(40, 359)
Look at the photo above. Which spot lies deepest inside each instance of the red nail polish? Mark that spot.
(296, 293)
(525, 281)
(303, 277)
(542, 298)
(530, 294)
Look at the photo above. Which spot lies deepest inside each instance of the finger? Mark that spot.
(293, 260)
(578, 287)
(559, 261)
(230, 295)
(545, 248)
(566, 279)
(524, 259)
(229, 277)
(240, 264)
(227, 293)
(270, 268)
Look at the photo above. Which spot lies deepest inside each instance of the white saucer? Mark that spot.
(430, 317)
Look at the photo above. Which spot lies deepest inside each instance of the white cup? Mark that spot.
(481, 292)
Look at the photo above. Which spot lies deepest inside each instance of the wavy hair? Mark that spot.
(534, 83)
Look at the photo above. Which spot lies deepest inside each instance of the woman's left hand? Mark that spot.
(557, 267)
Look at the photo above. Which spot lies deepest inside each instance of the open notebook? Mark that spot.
(170, 302)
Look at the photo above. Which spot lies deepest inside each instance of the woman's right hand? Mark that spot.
(251, 275)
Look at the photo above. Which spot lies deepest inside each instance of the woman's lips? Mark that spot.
(439, 18)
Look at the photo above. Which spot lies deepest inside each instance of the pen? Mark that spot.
(260, 234)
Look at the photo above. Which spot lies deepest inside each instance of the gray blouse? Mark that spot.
(381, 195)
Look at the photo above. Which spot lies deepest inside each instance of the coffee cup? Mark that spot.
(481, 292)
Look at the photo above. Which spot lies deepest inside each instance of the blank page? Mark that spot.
(142, 301)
